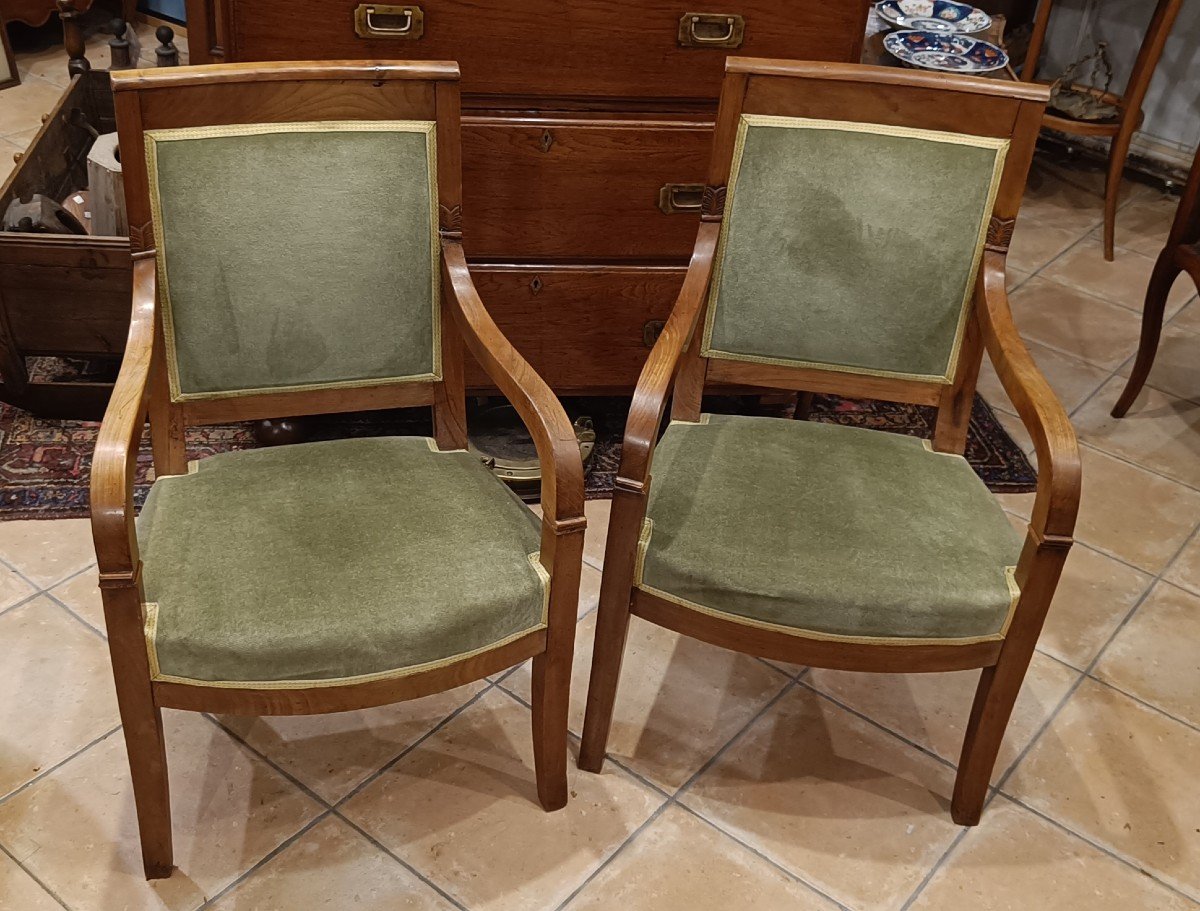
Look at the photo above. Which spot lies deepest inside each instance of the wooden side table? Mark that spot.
(1181, 254)
(1129, 104)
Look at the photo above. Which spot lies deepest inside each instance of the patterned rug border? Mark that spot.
(45, 464)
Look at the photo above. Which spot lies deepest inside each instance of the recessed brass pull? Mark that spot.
(372, 20)
(680, 198)
(711, 30)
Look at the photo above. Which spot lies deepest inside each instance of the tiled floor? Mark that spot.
(735, 784)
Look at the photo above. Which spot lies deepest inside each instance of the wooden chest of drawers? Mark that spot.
(586, 132)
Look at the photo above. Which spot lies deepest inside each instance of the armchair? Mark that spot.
(853, 239)
(298, 250)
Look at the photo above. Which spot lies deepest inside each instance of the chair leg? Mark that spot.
(1161, 279)
(1117, 154)
(994, 700)
(551, 698)
(141, 721)
(612, 626)
(142, 724)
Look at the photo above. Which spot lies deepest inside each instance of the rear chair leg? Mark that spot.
(612, 625)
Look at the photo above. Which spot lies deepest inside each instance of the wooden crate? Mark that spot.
(61, 295)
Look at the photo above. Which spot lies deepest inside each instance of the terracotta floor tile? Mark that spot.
(1035, 243)
(682, 862)
(1083, 326)
(47, 552)
(1176, 367)
(25, 104)
(1094, 594)
(1015, 860)
(1188, 318)
(1122, 775)
(679, 701)
(1156, 656)
(1142, 518)
(51, 667)
(1143, 225)
(462, 809)
(1185, 570)
(332, 866)
(597, 512)
(1122, 281)
(49, 63)
(1159, 432)
(1072, 380)
(932, 709)
(847, 807)
(1020, 504)
(81, 593)
(1060, 203)
(76, 829)
(589, 589)
(20, 892)
(331, 754)
(13, 588)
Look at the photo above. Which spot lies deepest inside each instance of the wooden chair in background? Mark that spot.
(1120, 129)
(1181, 254)
(853, 240)
(304, 225)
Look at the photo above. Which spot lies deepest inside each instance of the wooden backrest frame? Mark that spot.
(283, 93)
(905, 98)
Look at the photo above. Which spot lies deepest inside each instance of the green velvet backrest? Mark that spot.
(850, 246)
(296, 256)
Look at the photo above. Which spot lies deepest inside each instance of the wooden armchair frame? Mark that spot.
(286, 92)
(676, 366)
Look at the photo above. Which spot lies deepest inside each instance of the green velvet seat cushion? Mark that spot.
(333, 560)
(851, 247)
(297, 255)
(828, 530)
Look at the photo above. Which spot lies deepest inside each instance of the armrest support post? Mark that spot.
(553, 435)
(1057, 501)
(115, 459)
(654, 383)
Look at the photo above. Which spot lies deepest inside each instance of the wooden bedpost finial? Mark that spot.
(166, 54)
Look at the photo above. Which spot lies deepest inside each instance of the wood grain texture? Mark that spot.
(267, 94)
(877, 95)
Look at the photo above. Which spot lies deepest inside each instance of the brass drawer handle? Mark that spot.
(711, 30)
(681, 198)
(374, 21)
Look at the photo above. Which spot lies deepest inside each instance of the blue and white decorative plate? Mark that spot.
(944, 53)
(942, 16)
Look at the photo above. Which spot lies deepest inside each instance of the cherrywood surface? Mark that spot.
(34, 12)
(576, 116)
(617, 48)
(263, 93)
(896, 97)
(1181, 253)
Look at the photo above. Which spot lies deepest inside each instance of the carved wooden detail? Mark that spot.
(450, 222)
(712, 203)
(999, 234)
(141, 237)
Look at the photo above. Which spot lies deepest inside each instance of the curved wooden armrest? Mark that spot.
(1057, 501)
(539, 408)
(654, 383)
(115, 459)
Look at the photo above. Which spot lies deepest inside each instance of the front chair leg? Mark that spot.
(551, 700)
(994, 700)
(1161, 279)
(141, 722)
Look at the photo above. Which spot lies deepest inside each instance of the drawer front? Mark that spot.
(545, 189)
(612, 48)
(582, 328)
